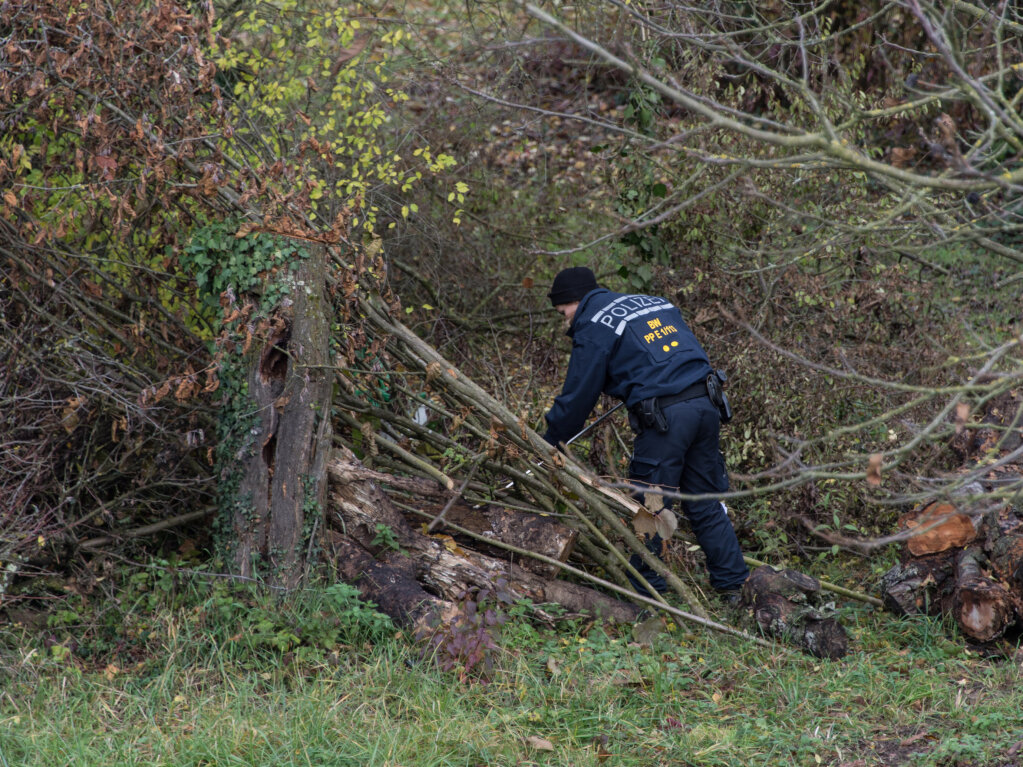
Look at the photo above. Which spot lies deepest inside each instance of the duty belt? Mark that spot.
(698, 389)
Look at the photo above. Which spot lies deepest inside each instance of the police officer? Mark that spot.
(638, 349)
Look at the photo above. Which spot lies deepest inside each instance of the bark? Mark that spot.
(384, 566)
(1003, 544)
(785, 605)
(919, 585)
(520, 529)
(983, 608)
(283, 486)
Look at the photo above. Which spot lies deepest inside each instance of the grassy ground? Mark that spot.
(214, 679)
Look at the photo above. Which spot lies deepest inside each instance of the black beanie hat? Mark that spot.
(571, 285)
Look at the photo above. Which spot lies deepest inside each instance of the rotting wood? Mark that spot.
(358, 507)
(525, 531)
(918, 585)
(280, 498)
(786, 604)
(436, 562)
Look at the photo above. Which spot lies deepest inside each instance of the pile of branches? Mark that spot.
(408, 412)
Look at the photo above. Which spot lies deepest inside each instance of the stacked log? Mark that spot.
(970, 568)
(966, 560)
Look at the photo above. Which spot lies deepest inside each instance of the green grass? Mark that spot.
(192, 692)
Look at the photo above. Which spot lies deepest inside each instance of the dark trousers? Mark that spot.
(687, 457)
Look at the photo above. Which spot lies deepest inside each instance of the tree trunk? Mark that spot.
(283, 486)
(382, 553)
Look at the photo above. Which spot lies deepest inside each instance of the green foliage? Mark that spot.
(385, 538)
(220, 261)
(163, 609)
(642, 108)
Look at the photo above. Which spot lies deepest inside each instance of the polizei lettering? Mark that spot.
(617, 314)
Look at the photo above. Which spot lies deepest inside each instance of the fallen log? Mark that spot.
(982, 607)
(970, 572)
(384, 553)
(785, 605)
(517, 528)
(392, 586)
(1003, 543)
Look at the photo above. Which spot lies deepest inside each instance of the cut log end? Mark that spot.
(936, 528)
(983, 608)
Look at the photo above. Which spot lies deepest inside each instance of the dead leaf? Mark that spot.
(644, 522)
(349, 53)
(962, 413)
(552, 666)
(903, 156)
(540, 744)
(874, 470)
(527, 282)
(450, 544)
(671, 723)
(10, 198)
(666, 523)
(69, 418)
(627, 677)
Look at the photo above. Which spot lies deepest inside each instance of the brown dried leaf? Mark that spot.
(874, 470)
(347, 54)
(962, 414)
(644, 523)
(540, 744)
(666, 524)
(903, 156)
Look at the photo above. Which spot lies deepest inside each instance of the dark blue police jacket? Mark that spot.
(628, 346)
